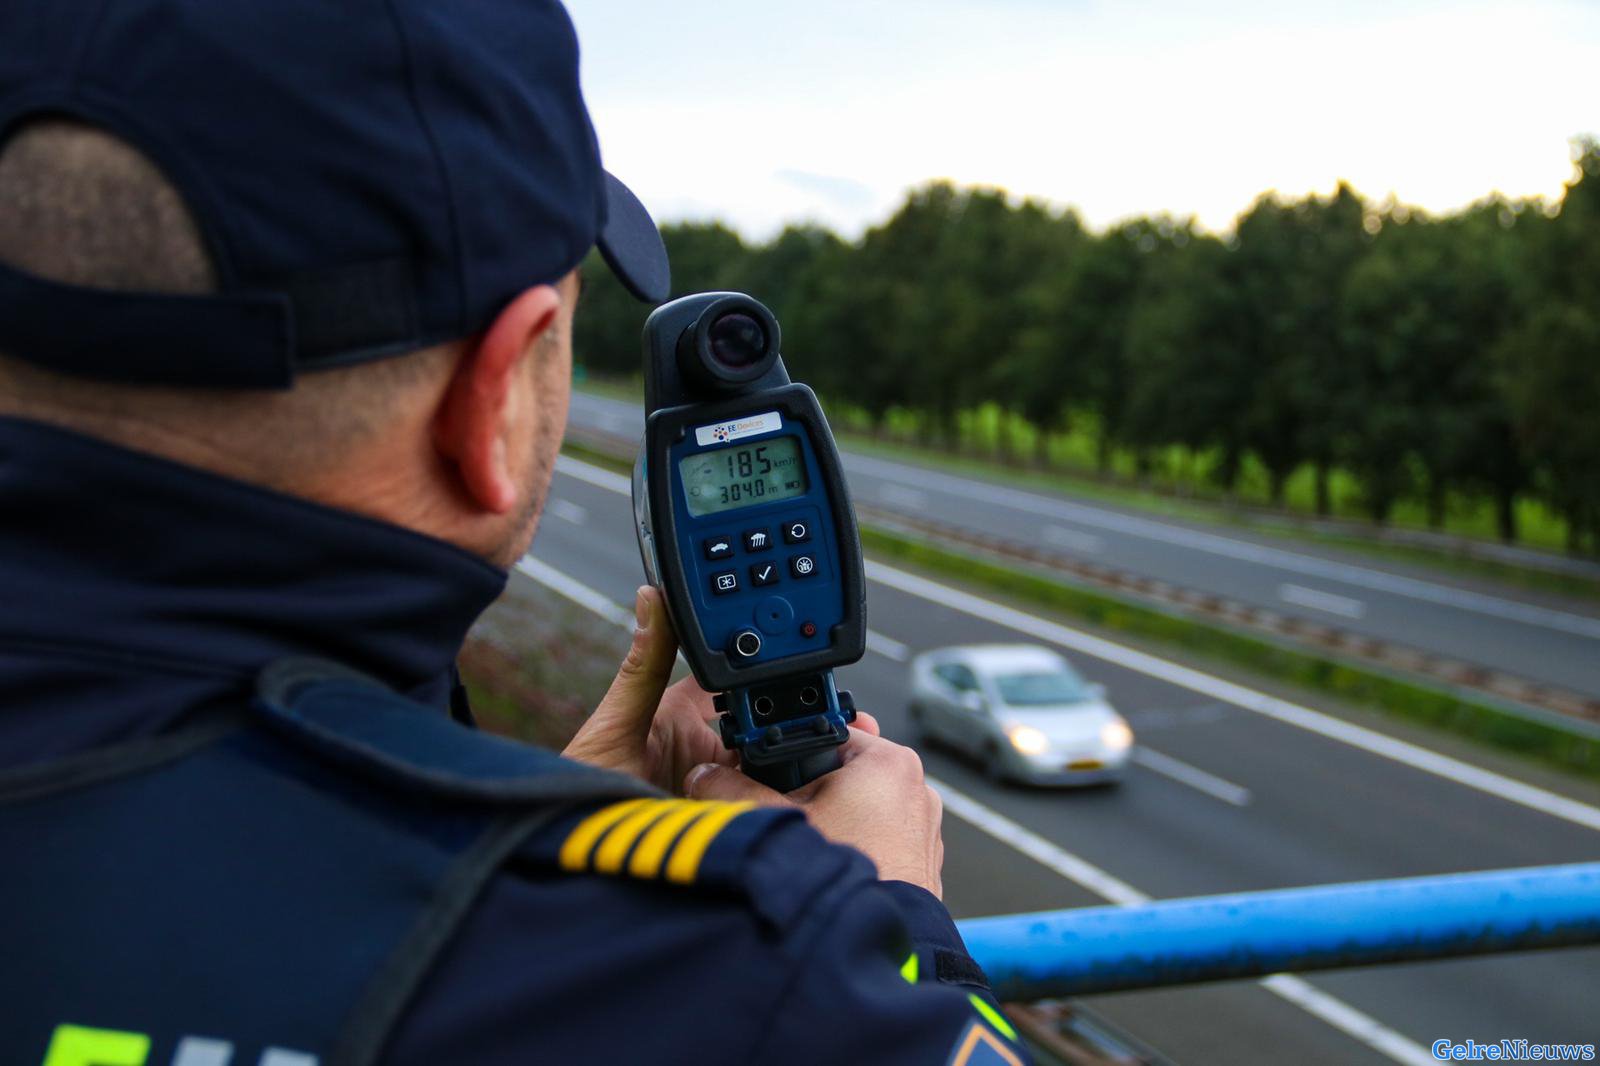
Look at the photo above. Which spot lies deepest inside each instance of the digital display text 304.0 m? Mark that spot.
(741, 475)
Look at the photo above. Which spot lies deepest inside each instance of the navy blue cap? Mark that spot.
(371, 176)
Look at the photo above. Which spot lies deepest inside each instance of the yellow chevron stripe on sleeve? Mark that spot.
(614, 848)
(652, 849)
(575, 850)
(691, 847)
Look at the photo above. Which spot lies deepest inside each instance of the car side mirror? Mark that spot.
(1096, 691)
(974, 702)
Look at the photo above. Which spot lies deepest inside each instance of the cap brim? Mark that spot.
(631, 245)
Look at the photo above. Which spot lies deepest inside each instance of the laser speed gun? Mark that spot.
(745, 525)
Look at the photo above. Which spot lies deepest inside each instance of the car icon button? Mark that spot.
(719, 547)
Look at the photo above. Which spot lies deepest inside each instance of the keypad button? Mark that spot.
(757, 540)
(796, 532)
(719, 547)
(802, 565)
(764, 574)
(725, 582)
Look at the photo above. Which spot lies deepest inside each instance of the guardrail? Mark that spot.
(1212, 938)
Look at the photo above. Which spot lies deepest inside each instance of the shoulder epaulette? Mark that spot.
(685, 842)
(610, 828)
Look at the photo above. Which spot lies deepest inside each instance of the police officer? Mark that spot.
(286, 294)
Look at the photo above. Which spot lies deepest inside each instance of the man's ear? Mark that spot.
(471, 427)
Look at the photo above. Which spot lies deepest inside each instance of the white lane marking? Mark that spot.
(1317, 600)
(900, 496)
(1342, 1016)
(1075, 539)
(574, 590)
(1047, 854)
(1334, 1012)
(568, 510)
(1193, 776)
(594, 475)
(888, 647)
(1246, 551)
(1369, 740)
(583, 596)
(1082, 872)
(1157, 718)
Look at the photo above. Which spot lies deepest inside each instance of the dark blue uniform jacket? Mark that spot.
(245, 820)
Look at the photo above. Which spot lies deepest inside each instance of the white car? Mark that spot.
(1022, 711)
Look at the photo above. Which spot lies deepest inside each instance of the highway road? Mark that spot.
(1232, 790)
(1542, 638)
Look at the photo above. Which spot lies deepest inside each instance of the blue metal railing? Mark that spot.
(1249, 934)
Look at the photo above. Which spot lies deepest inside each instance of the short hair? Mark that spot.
(80, 206)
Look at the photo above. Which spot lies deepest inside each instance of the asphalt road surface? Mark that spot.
(1542, 638)
(1231, 791)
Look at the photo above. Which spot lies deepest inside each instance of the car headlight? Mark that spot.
(1116, 734)
(1028, 740)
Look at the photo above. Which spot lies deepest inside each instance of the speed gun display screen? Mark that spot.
(743, 475)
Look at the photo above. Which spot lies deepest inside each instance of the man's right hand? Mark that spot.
(877, 802)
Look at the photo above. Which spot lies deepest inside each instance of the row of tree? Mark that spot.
(1425, 357)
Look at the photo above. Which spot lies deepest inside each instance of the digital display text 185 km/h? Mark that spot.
(743, 475)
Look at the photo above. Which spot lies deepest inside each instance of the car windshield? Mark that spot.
(1041, 688)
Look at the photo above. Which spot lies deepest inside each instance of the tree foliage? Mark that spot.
(1433, 359)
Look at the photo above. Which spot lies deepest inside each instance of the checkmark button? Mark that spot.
(764, 574)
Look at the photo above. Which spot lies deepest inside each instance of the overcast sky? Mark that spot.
(768, 111)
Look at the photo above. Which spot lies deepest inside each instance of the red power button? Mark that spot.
(808, 629)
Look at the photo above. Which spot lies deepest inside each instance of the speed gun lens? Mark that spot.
(737, 341)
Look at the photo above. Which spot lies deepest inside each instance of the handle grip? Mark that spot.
(790, 774)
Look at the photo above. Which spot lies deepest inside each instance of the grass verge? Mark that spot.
(535, 665)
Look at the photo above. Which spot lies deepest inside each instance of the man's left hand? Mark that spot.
(643, 727)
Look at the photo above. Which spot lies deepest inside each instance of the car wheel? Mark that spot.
(994, 764)
(919, 725)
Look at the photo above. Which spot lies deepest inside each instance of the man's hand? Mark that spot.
(877, 802)
(642, 727)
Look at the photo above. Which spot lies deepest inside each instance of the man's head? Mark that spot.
(396, 238)
(456, 440)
